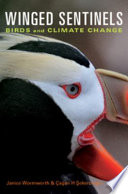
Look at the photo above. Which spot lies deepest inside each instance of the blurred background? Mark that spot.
(105, 50)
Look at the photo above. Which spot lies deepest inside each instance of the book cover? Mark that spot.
(63, 95)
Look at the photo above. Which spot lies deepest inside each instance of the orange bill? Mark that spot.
(96, 161)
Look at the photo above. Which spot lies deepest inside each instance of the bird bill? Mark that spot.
(94, 159)
(115, 86)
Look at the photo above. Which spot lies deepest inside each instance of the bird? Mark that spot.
(51, 99)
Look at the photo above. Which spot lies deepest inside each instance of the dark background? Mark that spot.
(108, 51)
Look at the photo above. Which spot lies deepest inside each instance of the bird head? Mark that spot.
(83, 94)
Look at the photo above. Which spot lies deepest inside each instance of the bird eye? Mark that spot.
(72, 90)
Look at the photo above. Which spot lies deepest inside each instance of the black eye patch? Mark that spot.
(55, 48)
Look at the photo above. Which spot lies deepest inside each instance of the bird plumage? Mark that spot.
(36, 134)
